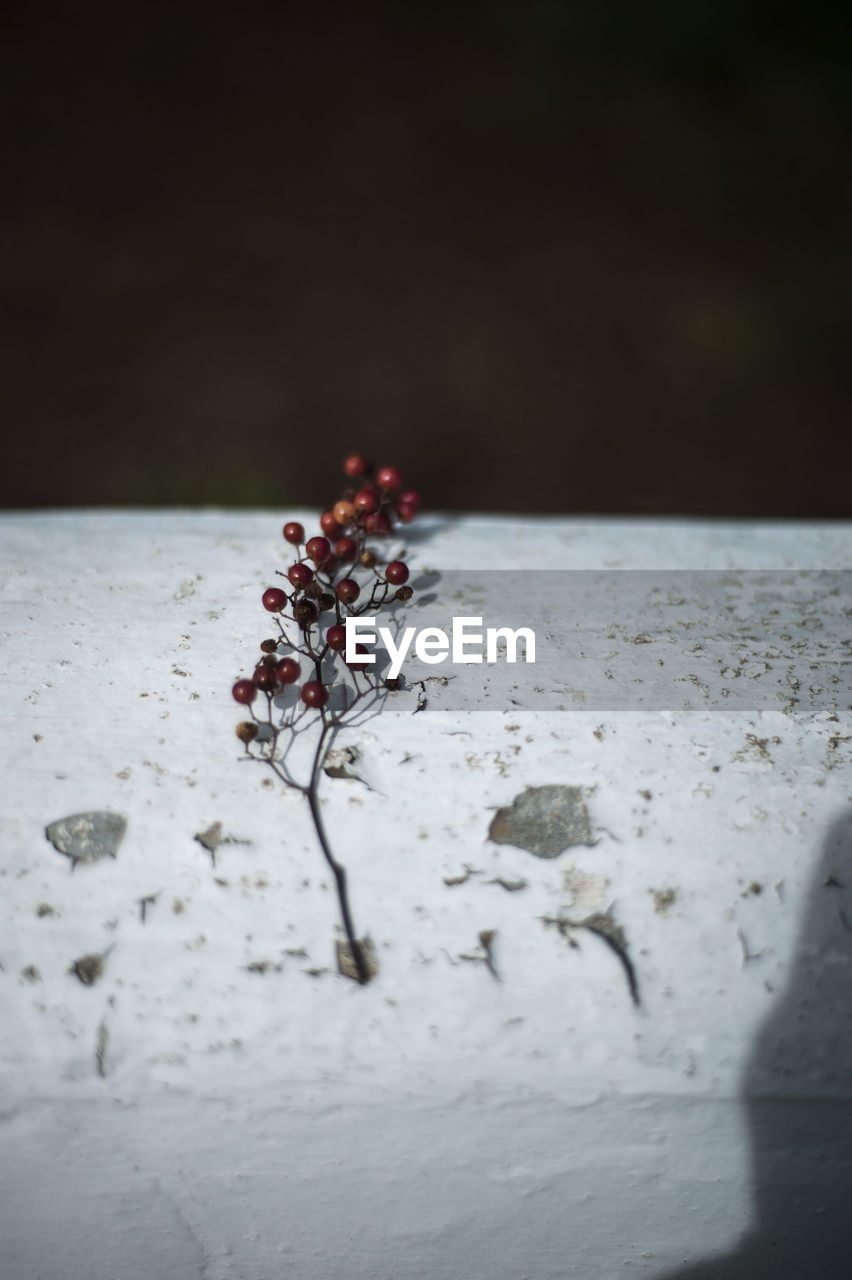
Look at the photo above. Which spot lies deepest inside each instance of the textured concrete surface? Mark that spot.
(221, 1102)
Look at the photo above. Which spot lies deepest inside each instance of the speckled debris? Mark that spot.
(87, 837)
(88, 969)
(544, 821)
(339, 764)
(211, 839)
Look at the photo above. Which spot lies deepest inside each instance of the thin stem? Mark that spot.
(338, 871)
(267, 748)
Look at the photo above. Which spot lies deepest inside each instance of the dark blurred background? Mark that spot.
(544, 256)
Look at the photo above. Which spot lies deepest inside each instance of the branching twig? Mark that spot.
(316, 591)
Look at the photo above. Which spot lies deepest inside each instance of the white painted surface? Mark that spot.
(436, 1123)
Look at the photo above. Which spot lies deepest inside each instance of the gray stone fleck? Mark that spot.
(87, 837)
(544, 820)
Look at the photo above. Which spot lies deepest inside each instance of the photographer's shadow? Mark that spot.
(797, 1094)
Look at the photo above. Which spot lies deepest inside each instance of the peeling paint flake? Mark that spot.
(544, 820)
(87, 837)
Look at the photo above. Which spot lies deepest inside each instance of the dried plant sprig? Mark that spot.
(337, 574)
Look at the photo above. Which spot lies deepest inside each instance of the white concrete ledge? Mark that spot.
(222, 1102)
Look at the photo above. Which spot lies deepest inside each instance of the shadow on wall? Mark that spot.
(798, 1098)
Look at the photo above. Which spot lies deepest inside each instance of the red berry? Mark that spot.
(355, 465)
(377, 522)
(274, 599)
(343, 512)
(329, 524)
(300, 574)
(319, 549)
(406, 512)
(244, 691)
(346, 548)
(314, 694)
(397, 572)
(336, 638)
(361, 650)
(294, 532)
(347, 591)
(265, 678)
(365, 502)
(287, 671)
(389, 478)
(407, 505)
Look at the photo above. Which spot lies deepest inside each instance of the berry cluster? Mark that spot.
(335, 574)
